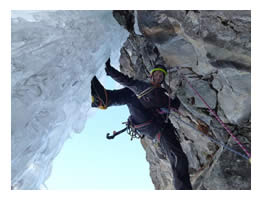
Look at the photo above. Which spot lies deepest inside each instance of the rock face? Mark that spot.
(213, 50)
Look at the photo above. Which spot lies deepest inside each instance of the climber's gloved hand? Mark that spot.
(108, 66)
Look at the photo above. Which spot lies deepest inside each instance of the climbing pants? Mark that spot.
(179, 163)
(168, 141)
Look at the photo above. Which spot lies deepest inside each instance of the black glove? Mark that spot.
(108, 66)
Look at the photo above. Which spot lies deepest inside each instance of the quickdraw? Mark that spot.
(131, 129)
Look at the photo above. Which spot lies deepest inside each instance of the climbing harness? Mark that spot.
(216, 116)
(131, 129)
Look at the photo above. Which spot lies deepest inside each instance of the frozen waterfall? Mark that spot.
(54, 56)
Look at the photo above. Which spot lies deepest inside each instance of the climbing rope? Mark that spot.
(216, 116)
(212, 139)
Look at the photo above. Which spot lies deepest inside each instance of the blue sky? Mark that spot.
(90, 161)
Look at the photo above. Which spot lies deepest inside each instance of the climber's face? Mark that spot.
(157, 77)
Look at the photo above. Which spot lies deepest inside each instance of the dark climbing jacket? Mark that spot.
(151, 97)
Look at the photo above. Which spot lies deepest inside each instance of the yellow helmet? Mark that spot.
(159, 68)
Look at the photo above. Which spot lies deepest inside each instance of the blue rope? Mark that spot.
(212, 139)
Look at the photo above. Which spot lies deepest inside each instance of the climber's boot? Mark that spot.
(99, 94)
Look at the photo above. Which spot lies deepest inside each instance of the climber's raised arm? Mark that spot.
(135, 85)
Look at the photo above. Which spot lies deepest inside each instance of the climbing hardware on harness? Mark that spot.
(131, 129)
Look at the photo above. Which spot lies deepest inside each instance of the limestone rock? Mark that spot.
(213, 50)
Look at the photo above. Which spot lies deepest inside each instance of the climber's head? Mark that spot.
(158, 74)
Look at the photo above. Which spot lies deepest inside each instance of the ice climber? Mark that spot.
(144, 101)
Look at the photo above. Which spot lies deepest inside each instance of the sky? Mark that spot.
(90, 161)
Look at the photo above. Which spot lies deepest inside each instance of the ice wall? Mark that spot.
(54, 56)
